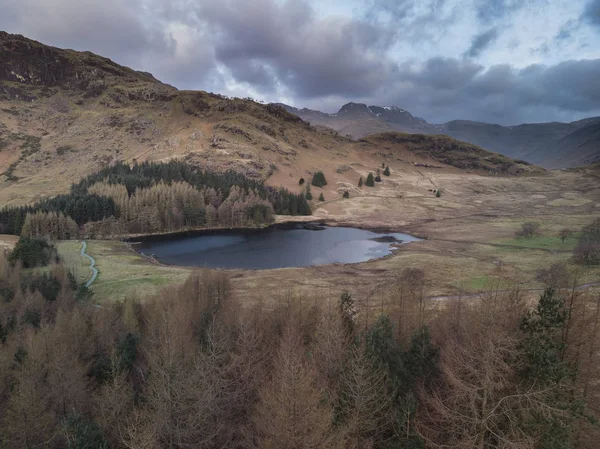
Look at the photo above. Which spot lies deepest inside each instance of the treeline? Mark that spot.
(154, 197)
(147, 174)
(192, 368)
(80, 207)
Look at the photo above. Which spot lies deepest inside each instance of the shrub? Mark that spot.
(301, 181)
(321, 197)
(528, 229)
(370, 180)
(319, 179)
(386, 172)
(377, 178)
(346, 194)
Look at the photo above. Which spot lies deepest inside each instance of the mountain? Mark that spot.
(65, 114)
(551, 145)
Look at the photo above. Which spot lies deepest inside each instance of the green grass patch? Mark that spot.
(542, 242)
(125, 274)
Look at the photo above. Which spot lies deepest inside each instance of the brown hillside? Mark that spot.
(64, 114)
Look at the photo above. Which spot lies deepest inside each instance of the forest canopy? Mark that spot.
(153, 197)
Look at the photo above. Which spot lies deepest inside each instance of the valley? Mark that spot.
(184, 269)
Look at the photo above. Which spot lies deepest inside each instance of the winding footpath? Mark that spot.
(92, 264)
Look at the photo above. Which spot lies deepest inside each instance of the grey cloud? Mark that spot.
(111, 27)
(284, 49)
(491, 10)
(591, 13)
(315, 57)
(481, 42)
(500, 94)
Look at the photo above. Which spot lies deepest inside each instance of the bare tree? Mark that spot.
(291, 412)
(365, 402)
(529, 229)
(479, 403)
(564, 234)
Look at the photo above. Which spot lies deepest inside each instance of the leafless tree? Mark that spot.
(529, 229)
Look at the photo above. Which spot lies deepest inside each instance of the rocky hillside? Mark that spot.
(551, 145)
(65, 114)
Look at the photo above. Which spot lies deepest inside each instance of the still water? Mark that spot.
(273, 247)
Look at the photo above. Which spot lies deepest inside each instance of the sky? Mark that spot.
(499, 61)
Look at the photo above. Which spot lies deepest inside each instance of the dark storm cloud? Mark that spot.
(591, 13)
(314, 57)
(274, 49)
(481, 42)
(499, 94)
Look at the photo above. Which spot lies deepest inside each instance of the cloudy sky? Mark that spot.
(501, 61)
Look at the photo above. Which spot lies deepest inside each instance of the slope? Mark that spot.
(552, 145)
(65, 114)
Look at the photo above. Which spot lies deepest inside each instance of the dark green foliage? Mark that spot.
(309, 196)
(360, 182)
(377, 178)
(20, 355)
(127, 351)
(6, 294)
(45, 283)
(83, 207)
(370, 182)
(407, 371)
(82, 433)
(32, 252)
(346, 194)
(542, 345)
(100, 368)
(321, 197)
(421, 359)
(386, 172)
(319, 179)
(301, 181)
(438, 194)
(32, 318)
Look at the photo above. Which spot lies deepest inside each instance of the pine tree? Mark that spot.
(346, 194)
(309, 196)
(321, 197)
(360, 182)
(438, 194)
(370, 180)
(386, 172)
(319, 179)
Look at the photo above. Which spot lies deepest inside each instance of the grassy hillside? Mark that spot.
(65, 114)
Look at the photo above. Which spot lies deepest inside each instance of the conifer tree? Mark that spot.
(308, 195)
(321, 197)
(386, 172)
(360, 182)
(370, 180)
(319, 179)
